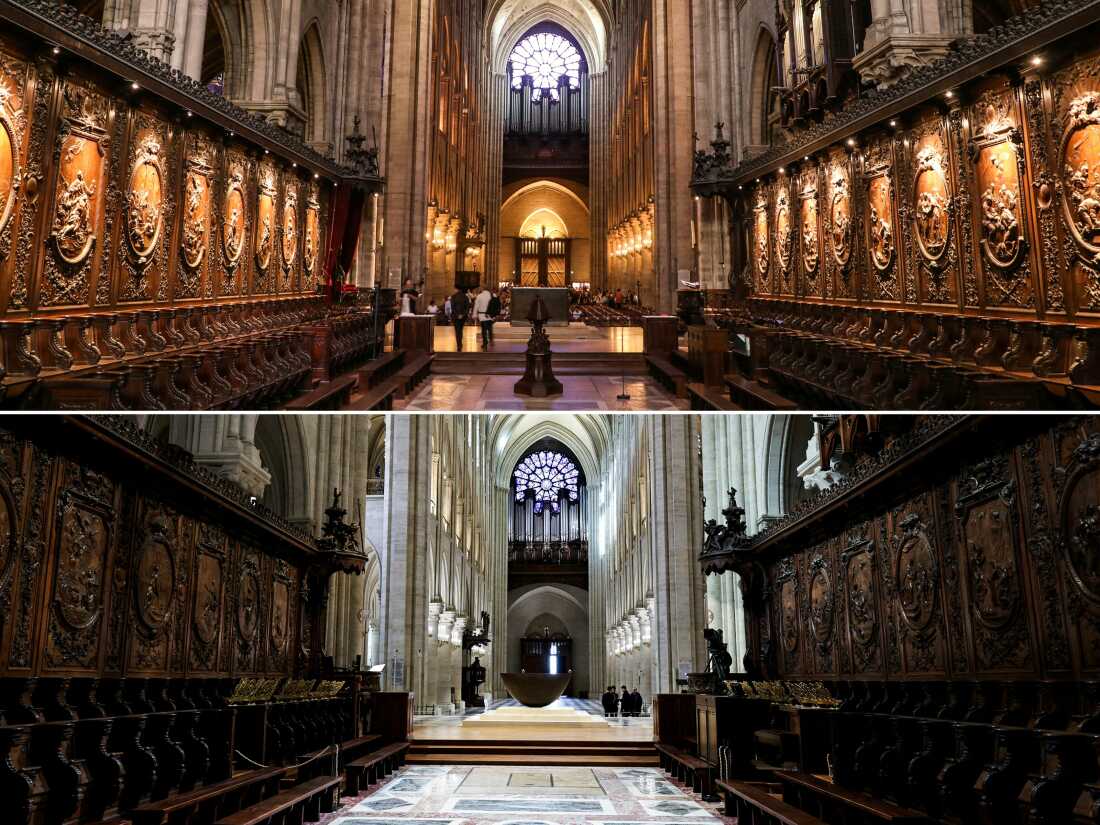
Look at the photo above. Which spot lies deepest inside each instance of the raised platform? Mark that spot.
(555, 715)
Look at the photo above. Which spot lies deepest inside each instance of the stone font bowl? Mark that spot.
(536, 690)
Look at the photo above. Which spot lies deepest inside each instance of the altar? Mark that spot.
(556, 299)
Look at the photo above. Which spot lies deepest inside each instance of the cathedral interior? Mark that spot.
(549, 412)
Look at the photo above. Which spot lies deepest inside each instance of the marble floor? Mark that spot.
(574, 338)
(581, 392)
(472, 794)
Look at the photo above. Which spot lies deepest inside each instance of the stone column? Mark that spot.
(405, 565)
(676, 530)
(673, 128)
(406, 150)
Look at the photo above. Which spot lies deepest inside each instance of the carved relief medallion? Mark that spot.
(821, 601)
(9, 153)
(916, 574)
(1080, 155)
(145, 199)
(312, 238)
(991, 557)
(880, 220)
(155, 582)
(840, 216)
(783, 228)
(1080, 519)
(997, 175)
(760, 232)
(248, 603)
(280, 615)
(81, 563)
(234, 217)
(290, 227)
(196, 210)
(73, 232)
(788, 605)
(931, 200)
(264, 240)
(811, 252)
(862, 611)
(208, 599)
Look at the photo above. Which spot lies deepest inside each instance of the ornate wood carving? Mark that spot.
(76, 215)
(964, 550)
(881, 226)
(197, 232)
(79, 578)
(999, 173)
(265, 232)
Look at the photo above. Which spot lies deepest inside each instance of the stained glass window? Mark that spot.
(545, 57)
(548, 476)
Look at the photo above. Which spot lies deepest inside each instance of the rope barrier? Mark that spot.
(309, 759)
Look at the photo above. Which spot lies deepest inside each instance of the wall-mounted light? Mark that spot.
(134, 86)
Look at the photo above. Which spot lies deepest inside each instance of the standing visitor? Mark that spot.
(460, 308)
(494, 312)
(481, 310)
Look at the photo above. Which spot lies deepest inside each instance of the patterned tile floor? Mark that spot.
(472, 794)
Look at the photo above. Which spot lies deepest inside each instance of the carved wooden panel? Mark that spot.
(234, 223)
(289, 236)
(762, 239)
(809, 232)
(312, 252)
(1076, 98)
(785, 251)
(934, 255)
(198, 234)
(82, 545)
(881, 235)
(837, 221)
(76, 214)
(987, 568)
(148, 211)
(996, 149)
(265, 230)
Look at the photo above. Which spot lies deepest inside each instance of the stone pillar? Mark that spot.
(405, 565)
(676, 530)
(405, 153)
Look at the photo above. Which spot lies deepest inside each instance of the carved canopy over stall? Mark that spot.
(959, 547)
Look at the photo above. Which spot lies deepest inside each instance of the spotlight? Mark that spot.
(949, 94)
(57, 50)
(134, 86)
(1036, 61)
(893, 123)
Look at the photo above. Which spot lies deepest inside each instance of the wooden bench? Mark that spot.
(374, 766)
(752, 395)
(691, 770)
(416, 369)
(379, 398)
(381, 368)
(329, 395)
(668, 374)
(204, 805)
(832, 802)
(704, 398)
(752, 805)
(305, 801)
(354, 748)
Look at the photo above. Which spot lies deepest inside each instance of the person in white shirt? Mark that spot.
(481, 310)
